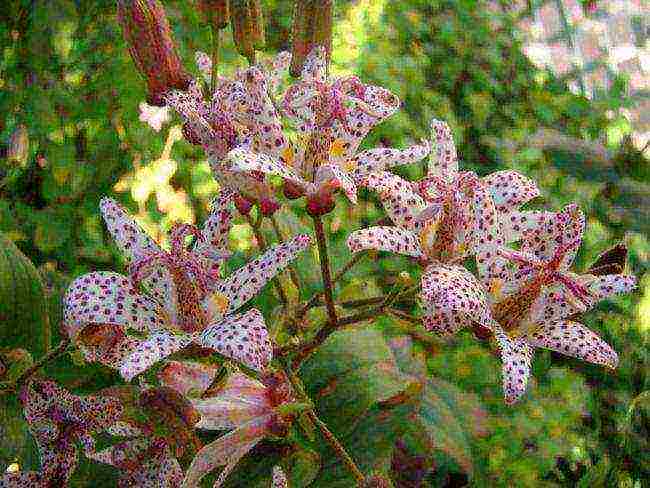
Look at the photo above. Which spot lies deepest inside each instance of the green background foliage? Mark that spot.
(66, 77)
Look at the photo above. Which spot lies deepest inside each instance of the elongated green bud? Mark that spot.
(216, 12)
(151, 44)
(312, 26)
(242, 28)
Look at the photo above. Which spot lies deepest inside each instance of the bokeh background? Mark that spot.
(558, 90)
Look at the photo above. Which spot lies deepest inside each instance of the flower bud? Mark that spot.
(320, 204)
(149, 38)
(216, 12)
(248, 31)
(312, 26)
(18, 150)
(268, 207)
(291, 190)
(244, 205)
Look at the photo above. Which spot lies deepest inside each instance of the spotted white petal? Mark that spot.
(242, 160)
(401, 202)
(517, 356)
(443, 160)
(151, 350)
(574, 339)
(453, 299)
(382, 158)
(247, 281)
(510, 189)
(242, 337)
(391, 239)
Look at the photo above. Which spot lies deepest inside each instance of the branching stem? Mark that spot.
(325, 271)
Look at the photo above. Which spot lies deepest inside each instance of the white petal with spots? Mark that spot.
(391, 239)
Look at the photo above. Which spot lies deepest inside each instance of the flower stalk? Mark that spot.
(321, 239)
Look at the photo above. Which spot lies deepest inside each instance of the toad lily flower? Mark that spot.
(240, 113)
(534, 307)
(182, 300)
(331, 118)
(253, 409)
(442, 219)
(58, 419)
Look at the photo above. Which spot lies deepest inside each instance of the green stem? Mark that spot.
(261, 243)
(53, 354)
(325, 271)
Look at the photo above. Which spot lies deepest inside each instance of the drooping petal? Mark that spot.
(443, 160)
(402, 204)
(453, 299)
(315, 66)
(242, 337)
(605, 286)
(59, 462)
(334, 174)
(517, 356)
(380, 159)
(188, 378)
(391, 239)
(247, 281)
(510, 189)
(151, 350)
(204, 64)
(245, 161)
(240, 400)
(160, 471)
(574, 339)
(109, 298)
(227, 450)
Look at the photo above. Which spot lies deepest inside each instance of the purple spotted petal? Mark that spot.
(517, 356)
(443, 160)
(380, 159)
(242, 337)
(510, 189)
(402, 204)
(151, 350)
(391, 239)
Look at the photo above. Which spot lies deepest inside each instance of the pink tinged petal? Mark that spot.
(576, 340)
(510, 189)
(216, 227)
(247, 281)
(453, 298)
(443, 159)
(242, 337)
(131, 239)
(109, 298)
(380, 159)
(240, 400)
(563, 232)
(188, 378)
(554, 303)
(241, 160)
(28, 479)
(391, 239)
(279, 478)
(58, 462)
(204, 63)
(225, 451)
(516, 224)
(156, 347)
(161, 471)
(154, 117)
(329, 173)
(517, 356)
(602, 287)
(401, 202)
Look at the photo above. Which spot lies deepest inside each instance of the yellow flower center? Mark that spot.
(336, 147)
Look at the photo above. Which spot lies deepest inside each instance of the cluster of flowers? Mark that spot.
(176, 301)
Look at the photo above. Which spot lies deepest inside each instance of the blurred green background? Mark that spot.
(69, 97)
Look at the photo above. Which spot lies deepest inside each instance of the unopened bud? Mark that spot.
(320, 204)
(243, 28)
(292, 191)
(18, 150)
(481, 332)
(244, 205)
(167, 399)
(216, 12)
(312, 26)
(268, 207)
(404, 278)
(377, 481)
(149, 38)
